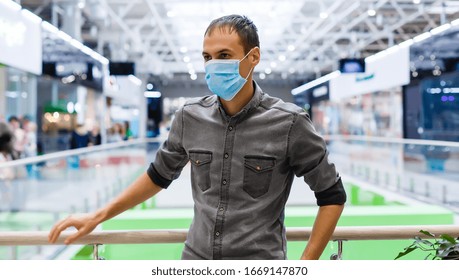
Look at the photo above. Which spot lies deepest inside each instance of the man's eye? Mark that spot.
(207, 57)
(224, 55)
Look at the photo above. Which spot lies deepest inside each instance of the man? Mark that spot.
(19, 136)
(244, 147)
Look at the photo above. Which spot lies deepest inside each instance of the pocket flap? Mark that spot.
(199, 158)
(259, 164)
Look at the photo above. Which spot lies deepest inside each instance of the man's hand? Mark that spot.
(139, 191)
(84, 223)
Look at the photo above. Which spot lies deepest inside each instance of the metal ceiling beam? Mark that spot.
(164, 31)
(159, 46)
(128, 31)
(364, 42)
(403, 21)
(314, 27)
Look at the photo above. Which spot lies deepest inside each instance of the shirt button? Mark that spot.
(258, 168)
(226, 155)
(197, 162)
(224, 182)
(221, 209)
(217, 233)
(230, 128)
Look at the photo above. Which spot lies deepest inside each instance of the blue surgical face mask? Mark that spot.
(223, 78)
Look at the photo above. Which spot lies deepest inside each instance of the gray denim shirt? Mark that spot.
(242, 169)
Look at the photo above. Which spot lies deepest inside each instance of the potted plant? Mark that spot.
(443, 248)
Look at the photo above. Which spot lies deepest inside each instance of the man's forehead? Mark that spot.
(222, 37)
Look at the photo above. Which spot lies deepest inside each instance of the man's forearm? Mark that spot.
(324, 226)
(139, 191)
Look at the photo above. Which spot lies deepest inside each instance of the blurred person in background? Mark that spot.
(79, 137)
(30, 147)
(6, 143)
(6, 173)
(94, 137)
(128, 132)
(19, 136)
(115, 133)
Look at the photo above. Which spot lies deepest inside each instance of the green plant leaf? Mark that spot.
(423, 241)
(407, 251)
(449, 238)
(427, 233)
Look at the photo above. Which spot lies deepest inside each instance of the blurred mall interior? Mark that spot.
(89, 89)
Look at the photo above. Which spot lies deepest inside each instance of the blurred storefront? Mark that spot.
(431, 100)
(70, 92)
(20, 61)
(366, 103)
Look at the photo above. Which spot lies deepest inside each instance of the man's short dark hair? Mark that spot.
(244, 27)
(6, 138)
(13, 119)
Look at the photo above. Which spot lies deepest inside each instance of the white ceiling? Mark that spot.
(300, 39)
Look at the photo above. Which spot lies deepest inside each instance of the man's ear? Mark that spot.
(255, 56)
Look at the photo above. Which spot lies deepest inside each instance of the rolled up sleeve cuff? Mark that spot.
(332, 196)
(157, 178)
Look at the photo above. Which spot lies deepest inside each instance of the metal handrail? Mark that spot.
(76, 152)
(386, 140)
(30, 238)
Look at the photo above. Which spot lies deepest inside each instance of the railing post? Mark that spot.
(339, 255)
(98, 199)
(86, 205)
(56, 217)
(39, 248)
(95, 252)
(444, 195)
(107, 194)
(14, 252)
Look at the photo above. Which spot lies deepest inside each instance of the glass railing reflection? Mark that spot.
(36, 192)
(427, 170)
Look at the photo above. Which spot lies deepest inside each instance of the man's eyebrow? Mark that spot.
(224, 50)
(220, 51)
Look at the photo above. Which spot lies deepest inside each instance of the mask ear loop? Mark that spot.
(251, 69)
(246, 54)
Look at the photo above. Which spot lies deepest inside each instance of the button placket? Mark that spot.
(224, 192)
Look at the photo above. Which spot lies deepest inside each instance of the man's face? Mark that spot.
(14, 124)
(223, 44)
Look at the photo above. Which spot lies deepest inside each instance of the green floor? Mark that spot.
(364, 209)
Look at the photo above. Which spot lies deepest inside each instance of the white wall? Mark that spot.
(382, 73)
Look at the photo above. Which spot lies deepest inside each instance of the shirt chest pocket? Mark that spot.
(200, 169)
(258, 171)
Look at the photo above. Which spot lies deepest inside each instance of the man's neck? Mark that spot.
(241, 99)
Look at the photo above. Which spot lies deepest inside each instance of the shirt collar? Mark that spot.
(253, 103)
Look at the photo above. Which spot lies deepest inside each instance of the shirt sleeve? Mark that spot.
(171, 157)
(308, 157)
